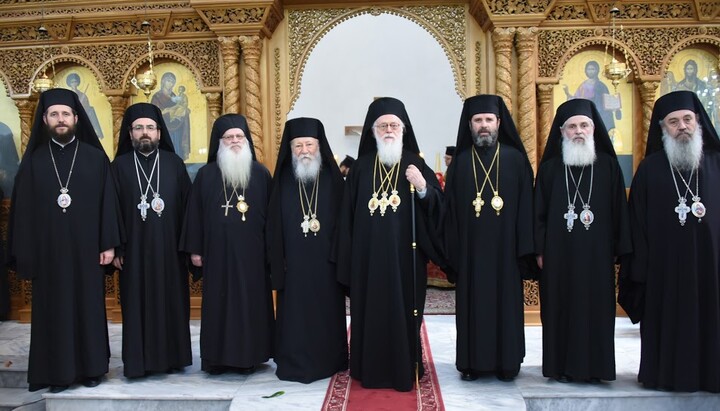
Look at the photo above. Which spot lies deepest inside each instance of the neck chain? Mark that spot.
(157, 203)
(697, 208)
(586, 215)
(496, 202)
(386, 183)
(64, 198)
(241, 205)
(310, 221)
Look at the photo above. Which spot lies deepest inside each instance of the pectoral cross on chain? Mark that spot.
(227, 206)
(305, 225)
(570, 216)
(143, 207)
(682, 210)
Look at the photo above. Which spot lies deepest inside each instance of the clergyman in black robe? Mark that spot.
(152, 185)
(489, 238)
(64, 226)
(670, 283)
(375, 254)
(224, 232)
(311, 331)
(581, 227)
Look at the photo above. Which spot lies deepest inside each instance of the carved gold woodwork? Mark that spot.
(648, 91)
(251, 47)
(214, 105)
(545, 116)
(230, 50)
(277, 121)
(117, 105)
(503, 43)
(306, 27)
(527, 116)
(26, 110)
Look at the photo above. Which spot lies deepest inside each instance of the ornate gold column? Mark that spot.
(231, 70)
(545, 96)
(647, 96)
(214, 105)
(251, 47)
(26, 109)
(118, 104)
(503, 43)
(526, 45)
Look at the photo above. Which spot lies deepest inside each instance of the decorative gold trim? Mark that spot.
(278, 103)
(446, 24)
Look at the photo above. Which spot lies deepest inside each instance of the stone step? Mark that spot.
(13, 371)
(20, 399)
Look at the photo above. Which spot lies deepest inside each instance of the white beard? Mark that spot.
(389, 153)
(684, 155)
(307, 172)
(235, 166)
(578, 154)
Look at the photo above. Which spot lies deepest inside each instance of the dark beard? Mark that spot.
(63, 138)
(145, 146)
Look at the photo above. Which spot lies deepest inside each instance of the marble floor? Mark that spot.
(529, 391)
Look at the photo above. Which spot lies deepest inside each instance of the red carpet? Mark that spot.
(346, 394)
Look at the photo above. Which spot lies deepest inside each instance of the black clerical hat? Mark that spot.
(143, 110)
(381, 107)
(577, 107)
(223, 124)
(305, 127)
(487, 103)
(84, 130)
(680, 100)
(450, 150)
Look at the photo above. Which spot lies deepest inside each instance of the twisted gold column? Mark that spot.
(503, 43)
(118, 104)
(231, 73)
(545, 96)
(526, 45)
(251, 50)
(647, 97)
(26, 109)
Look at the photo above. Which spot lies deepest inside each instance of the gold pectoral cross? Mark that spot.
(478, 202)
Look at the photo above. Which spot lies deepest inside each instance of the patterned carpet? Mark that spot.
(438, 301)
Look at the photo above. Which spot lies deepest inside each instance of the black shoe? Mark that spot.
(468, 376)
(216, 370)
(563, 379)
(57, 388)
(505, 376)
(246, 371)
(91, 382)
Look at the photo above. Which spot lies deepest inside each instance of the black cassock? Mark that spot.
(671, 282)
(60, 253)
(486, 251)
(375, 261)
(154, 291)
(311, 328)
(577, 282)
(237, 311)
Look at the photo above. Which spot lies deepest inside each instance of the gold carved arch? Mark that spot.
(160, 54)
(75, 60)
(619, 48)
(688, 42)
(446, 24)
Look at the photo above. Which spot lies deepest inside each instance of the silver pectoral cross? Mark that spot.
(305, 225)
(682, 210)
(570, 217)
(227, 206)
(143, 207)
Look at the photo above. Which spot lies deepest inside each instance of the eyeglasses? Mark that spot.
(231, 137)
(140, 127)
(385, 126)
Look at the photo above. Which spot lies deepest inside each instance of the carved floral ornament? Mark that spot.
(446, 24)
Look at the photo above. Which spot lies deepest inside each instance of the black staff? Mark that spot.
(415, 308)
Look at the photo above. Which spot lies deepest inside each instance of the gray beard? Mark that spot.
(389, 153)
(307, 172)
(235, 167)
(578, 154)
(684, 155)
(481, 141)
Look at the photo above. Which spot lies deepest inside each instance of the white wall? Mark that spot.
(377, 56)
